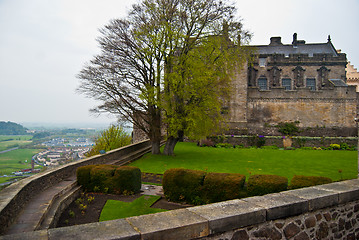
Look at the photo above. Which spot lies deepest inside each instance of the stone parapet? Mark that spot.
(328, 211)
(14, 197)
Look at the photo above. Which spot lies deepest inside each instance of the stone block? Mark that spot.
(280, 205)
(317, 198)
(115, 229)
(229, 215)
(37, 235)
(176, 224)
(347, 191)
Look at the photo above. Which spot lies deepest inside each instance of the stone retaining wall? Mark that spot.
(297, 141)
(328, 211)
(14, 197)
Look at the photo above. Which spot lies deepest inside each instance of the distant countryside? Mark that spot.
(46, 148)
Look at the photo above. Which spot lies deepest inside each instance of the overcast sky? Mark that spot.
(45, 43)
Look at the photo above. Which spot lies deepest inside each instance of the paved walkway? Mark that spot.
(33, 212)
(151, 190)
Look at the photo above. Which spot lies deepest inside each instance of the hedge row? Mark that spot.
(199, 187)
(264, 184)
(308, 181)
(109, 178)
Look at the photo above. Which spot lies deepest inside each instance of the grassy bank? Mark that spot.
(255, 161)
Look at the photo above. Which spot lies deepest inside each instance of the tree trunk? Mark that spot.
(170, 146)
(155, 130)
(155, 147)
(171, 143)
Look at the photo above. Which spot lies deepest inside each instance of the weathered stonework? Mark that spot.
(296, 82)
(340, 222)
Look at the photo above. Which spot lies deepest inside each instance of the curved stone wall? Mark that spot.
(14, 197)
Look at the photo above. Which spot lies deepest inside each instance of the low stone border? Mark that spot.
(253, 217)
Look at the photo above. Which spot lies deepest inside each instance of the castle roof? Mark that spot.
(297, 47)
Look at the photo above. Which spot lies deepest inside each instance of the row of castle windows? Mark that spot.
(286, 83)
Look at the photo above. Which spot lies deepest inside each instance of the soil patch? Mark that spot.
(152, 178)
(75, 214)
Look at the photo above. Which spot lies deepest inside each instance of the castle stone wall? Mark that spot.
(331, 108)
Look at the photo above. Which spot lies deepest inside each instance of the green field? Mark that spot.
(11, 141)
(117, 209)
(286, 163)
(15, 160)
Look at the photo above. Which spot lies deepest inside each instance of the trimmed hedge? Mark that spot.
(183, 185)
(198, 187)
(101, 178)
(84, 177)
(299, 181)
(219, 187)
(263, 184)
(109, 178)
(127, 178)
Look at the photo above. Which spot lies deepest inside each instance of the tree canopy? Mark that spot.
(168, 63)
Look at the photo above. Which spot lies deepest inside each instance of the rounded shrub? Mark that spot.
(83, 175)
(264, 184)
(299, 181)
(219, 187)
(126, 179)
(101, 177)
(183, 185)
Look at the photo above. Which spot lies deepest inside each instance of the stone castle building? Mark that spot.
(299, 82)
(352, 76)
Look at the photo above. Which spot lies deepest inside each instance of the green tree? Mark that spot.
(111, 138)
(211, 48)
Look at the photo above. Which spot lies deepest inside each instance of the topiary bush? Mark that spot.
(219, 187)
(307, 181)
(83, 175)
(127, 179)
(263, 184)
(101, 177)
(110, 178)
(183, 185)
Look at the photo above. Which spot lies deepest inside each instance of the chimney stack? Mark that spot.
(295, 40)
(275, 41)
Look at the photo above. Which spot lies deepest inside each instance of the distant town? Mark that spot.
(59, 151)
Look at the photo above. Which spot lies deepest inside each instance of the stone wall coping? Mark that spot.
(15, 196)
(201, 221)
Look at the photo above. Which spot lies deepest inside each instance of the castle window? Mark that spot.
(287, 83)
(263, 84)
(311, 84)
(262, 62)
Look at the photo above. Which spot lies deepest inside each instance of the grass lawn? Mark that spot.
(117, 209)
(10, 161)
(286, 163)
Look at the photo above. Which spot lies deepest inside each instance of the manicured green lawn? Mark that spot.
(117, 209)
(255, 161)
(10, 161)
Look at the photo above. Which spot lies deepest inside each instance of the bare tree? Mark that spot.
(125, 79)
